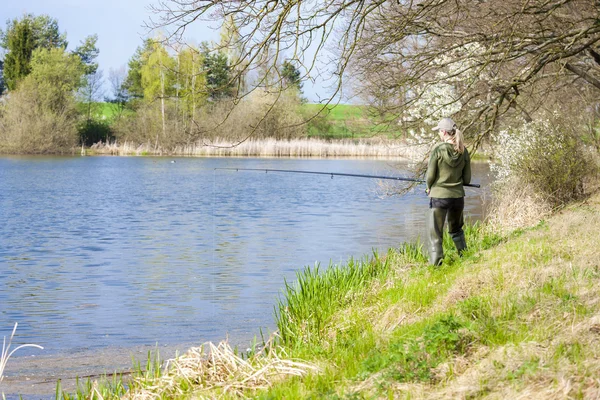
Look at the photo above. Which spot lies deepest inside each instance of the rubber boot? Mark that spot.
(437, 217)
(459, 241)
(455, 228)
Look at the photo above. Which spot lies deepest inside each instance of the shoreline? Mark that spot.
(37, 375)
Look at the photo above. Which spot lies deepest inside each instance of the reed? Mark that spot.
(372, 148)
(7, 353)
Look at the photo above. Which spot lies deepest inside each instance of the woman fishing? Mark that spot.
(448, 170)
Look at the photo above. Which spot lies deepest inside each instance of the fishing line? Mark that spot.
(332, 174)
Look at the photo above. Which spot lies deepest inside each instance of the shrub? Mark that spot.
(539, 166)
(95, 131)
(28, 126)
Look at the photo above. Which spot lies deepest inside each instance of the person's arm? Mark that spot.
(466, 176)
(431, 170)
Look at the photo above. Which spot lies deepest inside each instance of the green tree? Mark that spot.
(232, 46)
(291, 76)
(57, 75)
(219, 82)
(157, 77)
(91, 90)
(46, 32)
(192, 83)
(21, 37)
(88, 52)
(19, 43)
(2, 86)
(133, 81)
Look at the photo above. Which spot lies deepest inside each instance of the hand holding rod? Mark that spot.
(332, 174)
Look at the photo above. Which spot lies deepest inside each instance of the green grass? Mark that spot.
(345, 121)
(308, 304)
(339, 112)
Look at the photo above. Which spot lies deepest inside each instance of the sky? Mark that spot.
(119, 25)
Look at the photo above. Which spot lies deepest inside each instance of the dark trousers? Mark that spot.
(440, 209)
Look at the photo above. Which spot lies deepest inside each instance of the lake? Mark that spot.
(118, 252)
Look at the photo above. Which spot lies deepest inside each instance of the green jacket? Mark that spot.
(447, 172)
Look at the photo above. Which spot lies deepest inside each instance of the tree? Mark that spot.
(231, 45)
(192, 81)
(219, 82)
(91, 91)
(291, 76)
(133, 82)
(157, 77)
(2, 85)
(116, 78)
(88, 52)
(45, 29)
(19, 44)
(57, 75)
(23, 36)
(488, 59)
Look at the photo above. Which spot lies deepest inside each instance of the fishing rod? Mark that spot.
(332, 174)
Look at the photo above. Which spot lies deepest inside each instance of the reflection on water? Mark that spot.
(98, 251)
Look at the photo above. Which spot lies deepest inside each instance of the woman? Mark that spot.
(448, 170)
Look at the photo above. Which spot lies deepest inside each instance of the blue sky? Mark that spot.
(118, 23)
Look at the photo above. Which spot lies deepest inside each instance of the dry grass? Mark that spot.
(275, 148)
(216, 371)
(540, 368)
(516, 206)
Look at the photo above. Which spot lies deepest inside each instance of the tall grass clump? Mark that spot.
(307, 306)
(540, 166)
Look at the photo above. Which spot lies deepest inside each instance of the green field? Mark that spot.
(341, 121)
(346, 121)
(339, 112)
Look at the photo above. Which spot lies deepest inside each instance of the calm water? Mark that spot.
(97, 252)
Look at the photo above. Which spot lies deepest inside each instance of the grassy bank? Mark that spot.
(517, 316)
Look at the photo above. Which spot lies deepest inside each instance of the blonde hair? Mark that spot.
(457, 139)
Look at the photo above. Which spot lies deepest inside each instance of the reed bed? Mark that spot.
(308, 147)
(216, 371)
